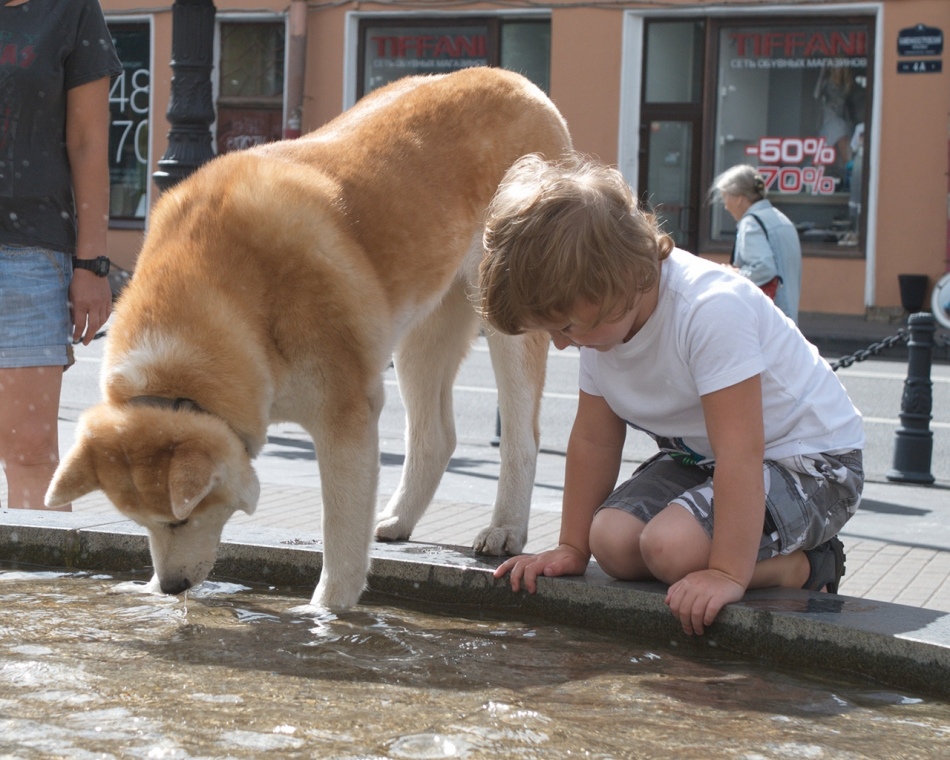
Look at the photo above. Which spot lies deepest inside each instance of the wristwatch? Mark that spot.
(99, 266)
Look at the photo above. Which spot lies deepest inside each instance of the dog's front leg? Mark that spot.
(520, 363)
(347, 445)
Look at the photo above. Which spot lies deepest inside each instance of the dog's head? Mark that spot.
(179, 473)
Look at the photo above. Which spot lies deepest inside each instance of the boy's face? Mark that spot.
(570, 331)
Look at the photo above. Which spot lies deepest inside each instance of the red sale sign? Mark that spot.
(796, 151)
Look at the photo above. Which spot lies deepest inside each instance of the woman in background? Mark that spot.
(767, 249)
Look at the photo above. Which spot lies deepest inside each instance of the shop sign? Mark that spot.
(392, 52)
(812, 48)
(919, 67)
(920, 40)
(429, 52)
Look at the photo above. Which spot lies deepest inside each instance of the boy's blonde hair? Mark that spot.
(558, 232)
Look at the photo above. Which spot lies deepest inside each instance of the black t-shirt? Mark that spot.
(46, 48)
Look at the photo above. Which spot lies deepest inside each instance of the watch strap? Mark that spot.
(99, 266)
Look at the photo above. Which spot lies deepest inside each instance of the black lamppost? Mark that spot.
(191, 108)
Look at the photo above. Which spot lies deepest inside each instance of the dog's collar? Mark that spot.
(175, 404)
(163, 402)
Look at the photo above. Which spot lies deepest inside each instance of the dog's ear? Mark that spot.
(192, 475)
(74, 477)
(249, 490)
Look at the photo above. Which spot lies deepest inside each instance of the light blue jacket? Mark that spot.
(761, 254)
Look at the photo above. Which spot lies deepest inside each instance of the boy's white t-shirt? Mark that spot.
(711, 329)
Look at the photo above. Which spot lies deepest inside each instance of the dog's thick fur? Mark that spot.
(275, 284)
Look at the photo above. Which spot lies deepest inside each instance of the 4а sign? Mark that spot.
(919, 67)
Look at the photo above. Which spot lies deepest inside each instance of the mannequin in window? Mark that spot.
(834, 89)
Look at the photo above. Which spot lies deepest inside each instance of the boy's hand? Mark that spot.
(565, 560)
(698, 598)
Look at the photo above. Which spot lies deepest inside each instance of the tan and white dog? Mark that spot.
(275, 284)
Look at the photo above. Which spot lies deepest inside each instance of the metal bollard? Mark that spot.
(913, 445)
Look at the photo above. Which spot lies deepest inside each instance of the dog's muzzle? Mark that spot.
(176, 587)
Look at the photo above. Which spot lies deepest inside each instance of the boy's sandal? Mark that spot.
(827, 566)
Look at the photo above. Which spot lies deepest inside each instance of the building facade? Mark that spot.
(844, 107)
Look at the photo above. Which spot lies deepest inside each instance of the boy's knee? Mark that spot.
(614, 543)
(669, 557)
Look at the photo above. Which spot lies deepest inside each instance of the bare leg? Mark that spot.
(673, 545)
(29, 436)
(615, 544)
(785, 570)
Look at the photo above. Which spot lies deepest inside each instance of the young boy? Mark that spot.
(760, 447)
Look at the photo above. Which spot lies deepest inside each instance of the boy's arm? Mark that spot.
(736, 431)
(593, 463)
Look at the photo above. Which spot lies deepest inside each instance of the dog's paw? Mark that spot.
(138, 587)
(391, 529)
(133, 587)
(336, 597)
(315, 611)
(499, 541)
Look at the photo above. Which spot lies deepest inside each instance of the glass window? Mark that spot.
(252, 60)
(526, 48)
(671, 130)
(674, 62)
(392, 49)
(792, 99)
(669, 172)
(251, 85)
(129, 114)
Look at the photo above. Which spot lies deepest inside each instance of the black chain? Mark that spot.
(875, 348)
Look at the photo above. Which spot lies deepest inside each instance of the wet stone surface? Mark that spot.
(89, 668)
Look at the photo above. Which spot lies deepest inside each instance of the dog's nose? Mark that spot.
(176, 586)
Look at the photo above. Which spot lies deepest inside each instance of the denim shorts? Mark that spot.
(34, 307)
(807, 499)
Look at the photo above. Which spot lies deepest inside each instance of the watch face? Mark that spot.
(98, 266)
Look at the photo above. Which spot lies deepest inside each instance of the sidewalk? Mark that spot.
(898, 545)
(839, 335)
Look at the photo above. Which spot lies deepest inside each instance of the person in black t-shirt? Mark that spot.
(56, 61)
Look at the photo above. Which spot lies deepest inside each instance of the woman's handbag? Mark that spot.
(771, 287)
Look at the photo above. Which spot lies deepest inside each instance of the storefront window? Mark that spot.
(392, 49)
(793, 101)
(674, 62)
(251, 86)
(526, 48)
(128, 132)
